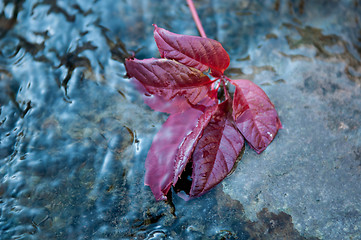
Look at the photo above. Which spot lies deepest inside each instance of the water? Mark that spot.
(75, 132)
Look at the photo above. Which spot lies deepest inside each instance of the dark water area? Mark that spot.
(74, 132)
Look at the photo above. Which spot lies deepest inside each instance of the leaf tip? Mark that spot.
(157, 193)
(279, 123)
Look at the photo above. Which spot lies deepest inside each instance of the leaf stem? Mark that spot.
(196, 18)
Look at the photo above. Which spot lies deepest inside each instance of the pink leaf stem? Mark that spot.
(196, 18)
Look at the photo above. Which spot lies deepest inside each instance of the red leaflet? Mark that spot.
(161, 156)
(255, 115)
(159, 103)
(200, 139)
(196, 52)
(166, 158)
(186, 148)
(168, 78)
(216, 152)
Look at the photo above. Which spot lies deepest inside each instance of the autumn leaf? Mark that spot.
(198, 145)
(160, 160)
(254, 114)
(192, 51)
(216, 152)
(187, 146)
(158, 103)
(168, 78)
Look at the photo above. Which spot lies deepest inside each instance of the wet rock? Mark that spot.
(309, 172)
(273, 226)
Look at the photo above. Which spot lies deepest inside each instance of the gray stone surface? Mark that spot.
(312, 170)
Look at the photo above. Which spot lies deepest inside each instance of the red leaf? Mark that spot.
(168, 78)
(193, 51)
(159, 103)
(200, 137)
(176, 104)
(216, 152)
(161, 156)
(255, 115)
(186, 148)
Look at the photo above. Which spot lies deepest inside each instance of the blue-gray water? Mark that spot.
(74, 133)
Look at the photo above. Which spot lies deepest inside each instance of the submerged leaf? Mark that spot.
(216, 152)
(255, 115)
(193, 51)
(168, 78)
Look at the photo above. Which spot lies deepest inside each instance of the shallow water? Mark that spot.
(75, 132)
